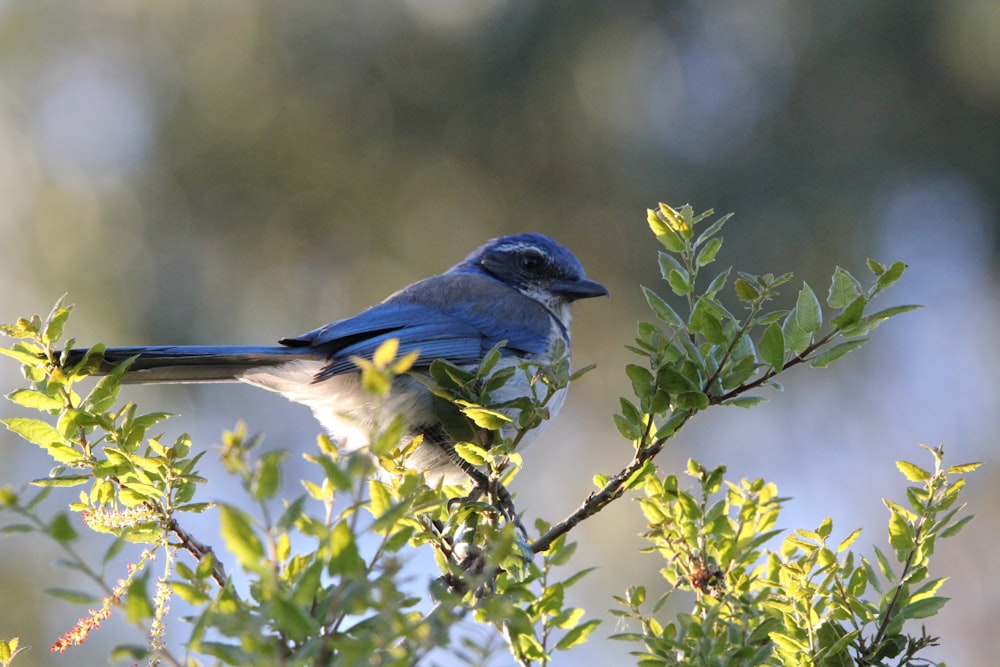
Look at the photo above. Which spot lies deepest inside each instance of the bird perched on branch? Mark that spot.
(514, 288)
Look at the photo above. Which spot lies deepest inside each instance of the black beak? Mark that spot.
(581, 289)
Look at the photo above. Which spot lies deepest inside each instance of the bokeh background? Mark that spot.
(235, 172)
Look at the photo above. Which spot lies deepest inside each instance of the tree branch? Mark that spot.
(198, 550)
(615, 487)
(611, 491)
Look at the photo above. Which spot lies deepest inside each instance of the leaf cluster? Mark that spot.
(711, 355)
(323, 574)
(809, 602)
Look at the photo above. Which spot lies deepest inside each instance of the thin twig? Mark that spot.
(611, 491)
(199, 550)
(615, 486)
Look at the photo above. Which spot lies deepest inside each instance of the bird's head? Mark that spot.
(536, 266)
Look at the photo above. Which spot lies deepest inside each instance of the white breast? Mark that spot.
(348, 412)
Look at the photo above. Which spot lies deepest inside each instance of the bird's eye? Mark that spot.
(531, 261)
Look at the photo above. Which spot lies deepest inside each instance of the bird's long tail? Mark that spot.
(191, 363)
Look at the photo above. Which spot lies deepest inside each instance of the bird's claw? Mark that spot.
(500, 497)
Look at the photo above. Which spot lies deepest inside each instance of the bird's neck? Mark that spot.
(557, 307)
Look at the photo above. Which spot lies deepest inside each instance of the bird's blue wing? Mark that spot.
(456, 317)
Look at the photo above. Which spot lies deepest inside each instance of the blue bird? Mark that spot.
(514, 288)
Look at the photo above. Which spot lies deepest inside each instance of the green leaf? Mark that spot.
(706, 319)
(796, 338)
(962, 468)
(241, 537)
(680, 282)
(567, 618)
(486, 418)
(56, 320)
(33, 359)
(381, 500)
(953, 529)
(900, 533)
(745, 401)
(448, 375)
(63, 481)
(292, 620)
(669, 263)
(474, 454)
(22, 329)
(673, 382)
(691, 400)
(912, 472)
(924, 608)
(385, 353)
(643, 382)
(137, 603)
(345, 558)
(849, 540)
(500, 378)
(491, 359)
(713, 228)
(883, 564)
(7, 649)
(833, 643)
(869, 322)
(851, 315)
(875, 267)
(577, 635)
(707, 254)
(788, 642)
(772, 347)
(891, 275)
(230, 654)
(34, 431)
(194, 508)
(669, 427)
(149, 491)
(844, 289)
(890, 647)
(736, 374)
(132, 653)
(630, 430)
(927, 589)
(718, 282)
(664, 233)
(61, 529)
(629, 411)
(745, 290)
(662, 309)
(267, 476)
(71, 596)
(35, 400)
(681, 221)
(836, 352)
(808, 314)
(896, 508)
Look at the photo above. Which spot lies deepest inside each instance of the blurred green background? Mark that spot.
(235, 172)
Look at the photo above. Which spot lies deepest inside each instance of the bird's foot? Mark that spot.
(499, 496)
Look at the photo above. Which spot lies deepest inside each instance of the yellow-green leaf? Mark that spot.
(912, 472)
(577, 635)
(385, 353)
(35, 400)
(240, 537)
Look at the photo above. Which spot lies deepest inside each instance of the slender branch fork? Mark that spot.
(615, 486)
(598, 500)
